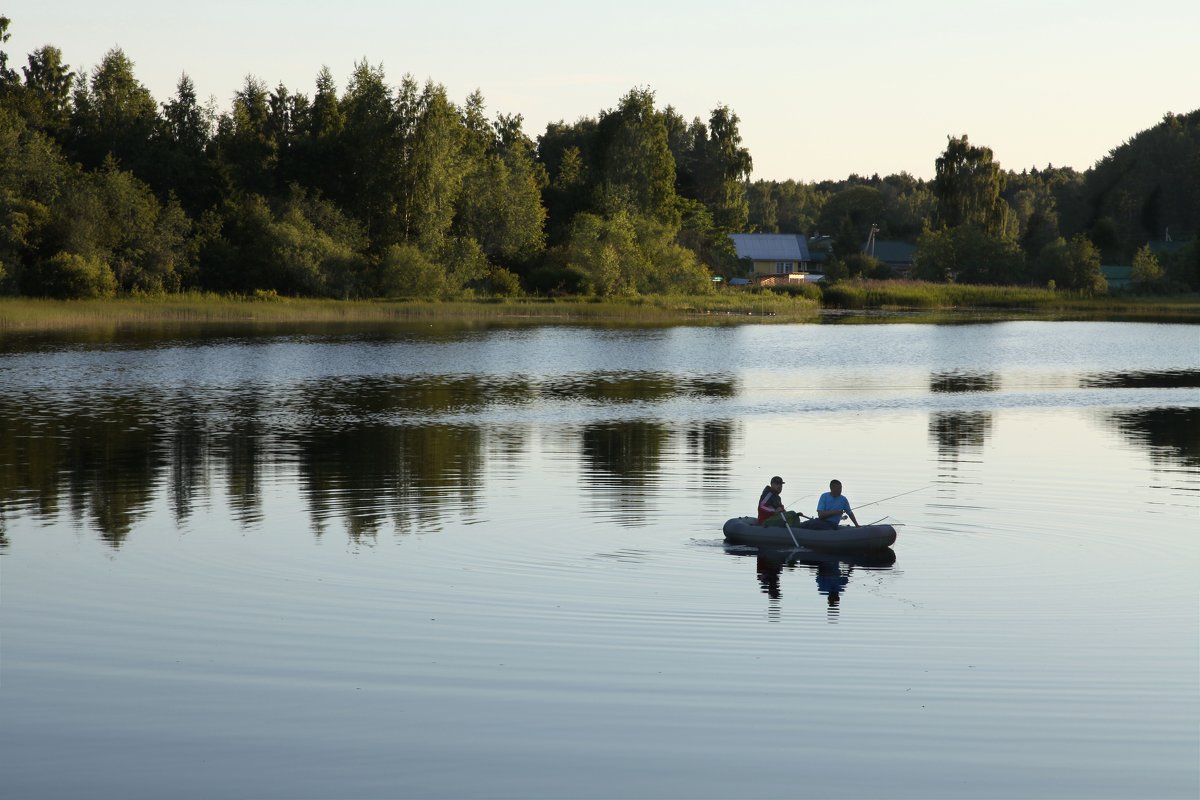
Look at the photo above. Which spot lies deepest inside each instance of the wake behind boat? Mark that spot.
(748, 530)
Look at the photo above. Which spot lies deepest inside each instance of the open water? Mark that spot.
(487, 562)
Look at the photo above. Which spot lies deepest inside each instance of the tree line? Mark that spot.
(383, 190)
(978, 223)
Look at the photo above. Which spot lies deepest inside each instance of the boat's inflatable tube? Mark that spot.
(747, 530)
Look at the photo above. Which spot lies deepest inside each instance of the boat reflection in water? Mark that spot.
(831, 571)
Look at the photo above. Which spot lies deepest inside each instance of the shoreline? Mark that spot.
(31, 315)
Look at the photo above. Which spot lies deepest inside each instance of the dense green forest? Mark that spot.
(395, 190)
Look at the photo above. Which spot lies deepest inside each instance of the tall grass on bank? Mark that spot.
(918, 295)
(739, 305)
(27, 314)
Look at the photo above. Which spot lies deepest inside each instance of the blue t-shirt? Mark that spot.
(828, 503)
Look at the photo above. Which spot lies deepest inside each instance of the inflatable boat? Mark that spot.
(748, 530)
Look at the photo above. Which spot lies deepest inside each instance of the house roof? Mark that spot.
(1160, 247)
(890, 251)
(771, 246)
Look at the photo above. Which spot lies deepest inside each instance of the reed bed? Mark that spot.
(28, 314)
(753, 305)
(917, 295)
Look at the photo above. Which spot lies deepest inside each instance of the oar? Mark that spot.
(783, 516)
(893, 497)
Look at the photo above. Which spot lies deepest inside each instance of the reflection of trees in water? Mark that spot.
(188, 440)
(624, 449)
(621, 463)
(956, 431)
(240, 444)
(31, 455)
(710, 444)
(1170, 434)
(409, 395)
(958, 382)
(636, 387)
(412, 476)
(104, 458)
(103, 455)
(359, 461)
(1167, 379)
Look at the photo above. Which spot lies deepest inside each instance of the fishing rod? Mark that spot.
(881, 519)
(893, 497)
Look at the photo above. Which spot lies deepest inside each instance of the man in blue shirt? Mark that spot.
(830, 508)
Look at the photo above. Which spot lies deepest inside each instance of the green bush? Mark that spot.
(70, 276)
(501, 282)
(405, 271)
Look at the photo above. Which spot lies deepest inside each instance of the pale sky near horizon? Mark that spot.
(822, 90)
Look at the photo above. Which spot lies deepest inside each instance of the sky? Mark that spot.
(823, 90)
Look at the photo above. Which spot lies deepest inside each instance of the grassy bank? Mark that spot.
(24, 314)
(918, 296)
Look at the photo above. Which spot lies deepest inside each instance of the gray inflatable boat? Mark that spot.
(847, 538)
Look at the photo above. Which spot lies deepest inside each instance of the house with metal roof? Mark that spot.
(1119, 276)
(778, 257)
(895, 254)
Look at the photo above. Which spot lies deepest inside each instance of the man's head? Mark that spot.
(777, 483)
(835, 487)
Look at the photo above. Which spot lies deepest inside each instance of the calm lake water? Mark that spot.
(440, 562)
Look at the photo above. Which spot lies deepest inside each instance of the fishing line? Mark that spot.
(893, 497)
